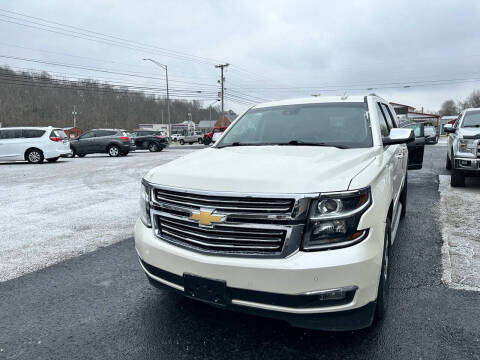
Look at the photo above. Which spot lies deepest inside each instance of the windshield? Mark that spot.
(471, 119)
(330, 124)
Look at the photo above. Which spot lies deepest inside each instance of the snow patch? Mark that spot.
(52, 212)
(459, 215)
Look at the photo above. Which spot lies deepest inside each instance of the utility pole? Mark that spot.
(168, 96)
(222, 83)
(74, 113)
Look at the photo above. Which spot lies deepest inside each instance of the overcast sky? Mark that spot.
(414, 52)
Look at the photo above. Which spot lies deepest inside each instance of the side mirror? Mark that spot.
(399, 136)
(448, 128)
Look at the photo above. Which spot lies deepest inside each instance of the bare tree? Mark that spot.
(449, 108)
(39, 99)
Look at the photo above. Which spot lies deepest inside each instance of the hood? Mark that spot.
(265, 169)
(472, 133)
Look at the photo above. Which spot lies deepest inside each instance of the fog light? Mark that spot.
(335, 294)
(465, 162)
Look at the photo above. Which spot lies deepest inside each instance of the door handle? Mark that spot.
(399, 156)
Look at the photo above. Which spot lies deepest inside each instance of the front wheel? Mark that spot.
(403, 197)
(35, 156)
(182, 142)
(457, 179)
(206, 140)
(384, 284)
(200, 140)
(114, 151)
(448, 164)
(152, 147)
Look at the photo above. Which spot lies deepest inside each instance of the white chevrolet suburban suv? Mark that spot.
(297, 221)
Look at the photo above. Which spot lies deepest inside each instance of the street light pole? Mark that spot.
(168, 96)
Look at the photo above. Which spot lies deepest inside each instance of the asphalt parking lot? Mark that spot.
(100, 305)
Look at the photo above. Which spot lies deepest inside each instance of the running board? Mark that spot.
(396, 222)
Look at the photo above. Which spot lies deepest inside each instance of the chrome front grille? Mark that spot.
(247, 225)
(229, 204)
(228, 238)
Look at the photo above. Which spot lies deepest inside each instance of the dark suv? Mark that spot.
(114, 142)
(150, 139)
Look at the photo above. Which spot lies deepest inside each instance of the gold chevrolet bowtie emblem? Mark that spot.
(205, 217)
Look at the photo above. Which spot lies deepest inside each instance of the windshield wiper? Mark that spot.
(236, 143)
(478, 125)
(306, 143)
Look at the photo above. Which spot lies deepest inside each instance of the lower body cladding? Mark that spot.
(331, 290)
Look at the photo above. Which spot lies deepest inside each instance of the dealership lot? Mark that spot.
(100, 305)
(52, 212)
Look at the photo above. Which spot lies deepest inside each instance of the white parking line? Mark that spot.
(461, 235)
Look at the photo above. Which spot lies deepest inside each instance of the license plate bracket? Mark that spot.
(207, 290)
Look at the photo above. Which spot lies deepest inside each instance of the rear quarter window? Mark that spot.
(31, 133)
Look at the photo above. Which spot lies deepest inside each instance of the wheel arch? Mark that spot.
(30, 149)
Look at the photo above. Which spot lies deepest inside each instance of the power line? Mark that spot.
(63, 29)
(74, 66)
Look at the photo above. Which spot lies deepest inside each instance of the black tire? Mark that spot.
(190, 143)
(200, 140)
(152, 147)
(403, 197)
(384, 282)
(448, 164)
(457, 179)
(35, 156)
(174, 139)
(182, 142)
(52, 160)
(81, 155)
(113, 151)
(206, 140)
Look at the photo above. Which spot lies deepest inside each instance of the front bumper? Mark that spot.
(467, 165)
(266, 285)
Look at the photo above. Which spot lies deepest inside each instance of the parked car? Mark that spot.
(297, 220)
(33, 144)
(191, 138)
(150, 139)
(431, 136)
(463, 148)
(208, 137)
(114, 142)
(175, 137)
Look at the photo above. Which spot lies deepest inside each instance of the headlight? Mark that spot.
(334, 220)
(145, 196)
(466, 146)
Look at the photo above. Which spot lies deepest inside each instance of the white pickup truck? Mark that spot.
(296, 222)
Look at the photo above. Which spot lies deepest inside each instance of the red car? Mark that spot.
(207, 138)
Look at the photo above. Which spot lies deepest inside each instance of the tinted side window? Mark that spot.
(10, 134)
(88, 135)
(382, 121)
(30, 134)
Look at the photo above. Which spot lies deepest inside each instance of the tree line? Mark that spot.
(38, 99)
(451, 107)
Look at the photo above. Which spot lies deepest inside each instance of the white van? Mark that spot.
(33, 144)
